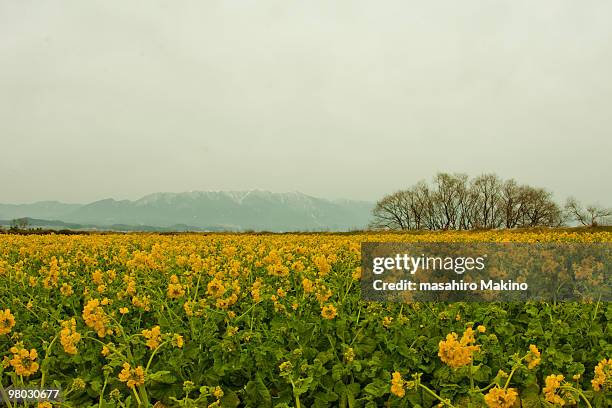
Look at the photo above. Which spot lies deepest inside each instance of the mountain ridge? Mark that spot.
(229, 210)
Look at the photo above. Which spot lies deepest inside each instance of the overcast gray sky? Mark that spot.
(349, 99)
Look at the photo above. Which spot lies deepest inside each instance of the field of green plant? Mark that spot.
(247, 320)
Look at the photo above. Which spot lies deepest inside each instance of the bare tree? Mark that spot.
(511, 203)
(538, 209)
(391, 212)
(19, 223)
(591, 216)
(487, 190)
(450, 192)
(454, 202)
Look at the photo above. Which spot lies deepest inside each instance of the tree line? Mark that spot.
(458, 202)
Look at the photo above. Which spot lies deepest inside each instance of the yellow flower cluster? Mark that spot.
(215, 288)
(95, 318)
(66, 289)
(178, 341)
(221, 276)
(603, 376)
(97, 277)
(256, 290)
(553, 383)
(501, 398)
(69, 336)
(175, 289)
(7, 321)
(349, 355)
(533, 357)
(153, 337)
(308, 285)
(322, 265)
(397, 384)
(23, 361)
(277, 269)
(133, 377)
(142, 302)
(52, 274)
(456, 353)
(328, 312)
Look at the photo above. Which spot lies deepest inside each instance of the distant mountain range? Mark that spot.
(199, 211)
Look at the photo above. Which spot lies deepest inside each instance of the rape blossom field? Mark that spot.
(277, 320)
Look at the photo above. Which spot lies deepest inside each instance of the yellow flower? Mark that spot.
(501, 398)
(97, 277)
(69, 336)
(153, 337)
(322, 265)
(188, 308)
(23, 361)
(349, 355)
(285, 367)
(66, 289)
(131, 376)
(328, 312)
(123, 310)
(218, 392)
(468, 337)
(397, 385)
(95, 318)
(78, 384)
(603, 376)
(142, 302)
(553, 382)
(323, 294)
(256, 290)
(533, 357)
(481, 329)
(178, 341)
(215, 288)
(457, 353)
(7, 321)
(307, 285)
(387, 320)
(175, 289)
(277, 269)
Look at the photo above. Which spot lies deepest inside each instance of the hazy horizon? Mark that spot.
(346, 100)
(187, 192)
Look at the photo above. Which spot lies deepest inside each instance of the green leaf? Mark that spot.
(257, 393)
(377, 388)
(163, 377)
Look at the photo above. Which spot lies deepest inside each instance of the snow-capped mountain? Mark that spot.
(232, 210)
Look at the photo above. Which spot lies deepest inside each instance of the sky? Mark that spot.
(343, 99)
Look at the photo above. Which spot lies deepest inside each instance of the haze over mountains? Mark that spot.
(201, 210)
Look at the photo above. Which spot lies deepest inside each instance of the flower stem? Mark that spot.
(430, 392)
(44, 371)
(579, 392)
